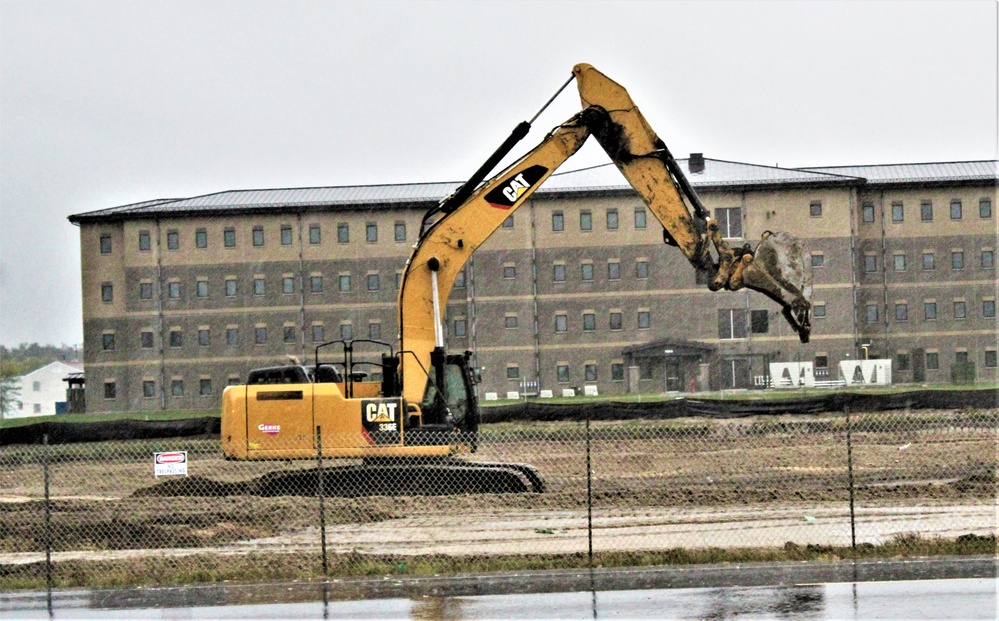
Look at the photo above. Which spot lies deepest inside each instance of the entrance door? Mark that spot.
(674, 380)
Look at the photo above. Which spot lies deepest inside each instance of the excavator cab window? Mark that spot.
(458, 401)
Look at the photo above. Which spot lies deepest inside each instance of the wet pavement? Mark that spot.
(953, 588)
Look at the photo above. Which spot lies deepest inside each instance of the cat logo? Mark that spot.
(509, 192)
(380, 412)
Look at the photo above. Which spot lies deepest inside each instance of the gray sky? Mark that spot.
(109, 103)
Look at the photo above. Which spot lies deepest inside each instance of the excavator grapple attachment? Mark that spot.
(777, 269)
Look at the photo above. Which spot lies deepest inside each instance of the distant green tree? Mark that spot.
(10, 389)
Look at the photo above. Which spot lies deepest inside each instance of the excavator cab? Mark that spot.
(459, 412)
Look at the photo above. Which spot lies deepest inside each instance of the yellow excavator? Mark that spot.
(425, 405)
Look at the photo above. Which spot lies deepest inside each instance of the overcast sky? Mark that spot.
(109, 103)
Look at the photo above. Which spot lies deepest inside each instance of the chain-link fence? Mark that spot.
(586, 492)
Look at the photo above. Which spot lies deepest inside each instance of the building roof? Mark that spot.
(57, 367)
(717, 175)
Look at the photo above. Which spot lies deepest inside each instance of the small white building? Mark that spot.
(43, 391)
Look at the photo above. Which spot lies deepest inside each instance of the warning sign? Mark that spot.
(173, 463)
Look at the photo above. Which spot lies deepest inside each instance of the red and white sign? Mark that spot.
(170, 463)
(271, 430)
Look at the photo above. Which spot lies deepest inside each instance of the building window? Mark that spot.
(612, 220)
(173, 240)
(956, 210)
(960, 309)
(926, 211)
(148, 389)
(315, 234)
(107, 292)
(507, 223)
(590, 372)
(640, 218)
(344, 283)
(932, 360)
(371, 232)
(400, 231)
(645, 371)
(259, 286)
(177, 388)
(585, 221)
(258, 236)
(558, 222)
(988, 259)
(870, 263)
(374, 282)
(902, 361)
(107, 341)
(867, 212)
(990, 358)
(587, 272)
(641, 269)
(589, 322)
(285, 235)
(821, 362)
(316, 284)
(732, 323)
(204, 387)
(819, 310)
(562, 373)
(512, 372)
(815, 209)
(617, 372)
(510, 321)
(558, 272)
(289, 334)
(929, 310)
(961, 357)
(759, 321)
(145, 241)
(459, 279)
(260, 335)
(872, 313)
(201, 238)
(957, 259)
(230, 287)
(343, 233)
(346, 331)
(110, 390)
(145, 290)
(374, 330)
(509, 271)
(460, 327)
(613, 270)
(901, 311)
(897, 212)
(201, 288)
(561, 322)
(36, 386)
(229, 238)
(988, 308)
(105, 244)
(318, 333)
(818, 259)
(929, 261)
(176, 338)
(288, 284)
(616, 321)
(644, 320)
(899, 262)
(729, 221)
(146, 339)
(985, 208)
(204, 337)
(232, 336)
(173, 290)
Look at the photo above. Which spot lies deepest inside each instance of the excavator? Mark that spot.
(410, 426)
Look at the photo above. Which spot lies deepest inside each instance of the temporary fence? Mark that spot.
(585, 490)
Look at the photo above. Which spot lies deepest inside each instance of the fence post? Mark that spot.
(321, 490)
(849, 468)
(589, 492)
(48, 519)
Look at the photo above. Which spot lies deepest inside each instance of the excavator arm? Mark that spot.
(464, 221)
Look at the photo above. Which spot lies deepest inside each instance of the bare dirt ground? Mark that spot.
(745, 483)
